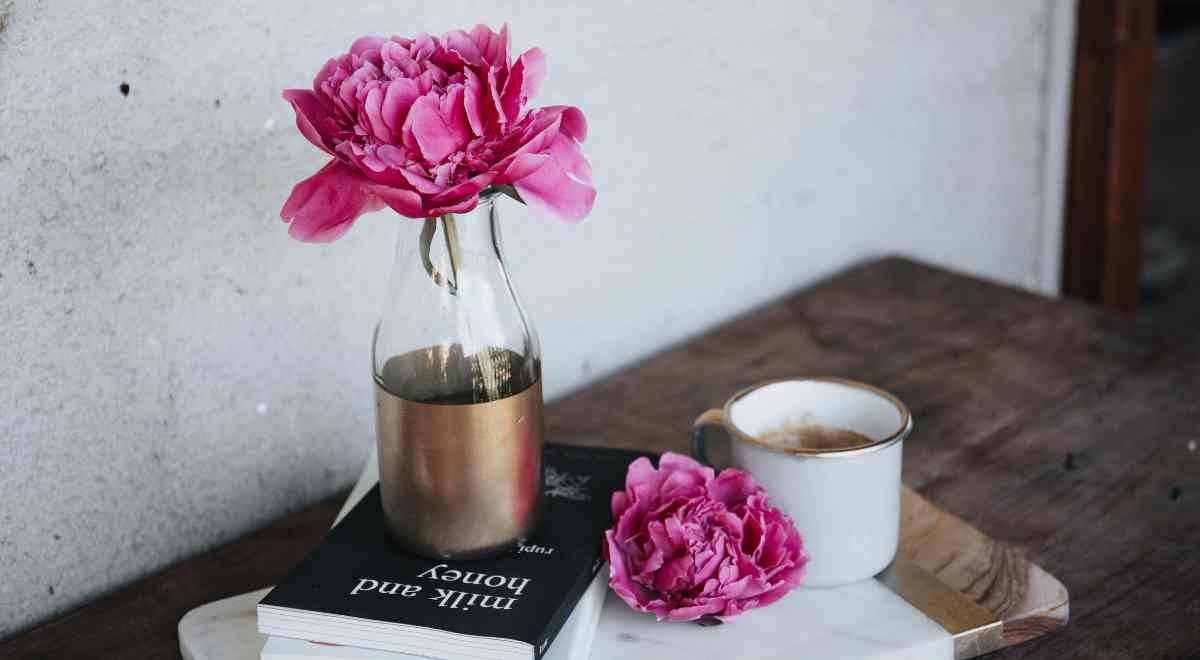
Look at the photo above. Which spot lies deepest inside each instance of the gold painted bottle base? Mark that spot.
(460, 480)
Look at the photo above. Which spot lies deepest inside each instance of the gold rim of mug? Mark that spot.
(883, 443)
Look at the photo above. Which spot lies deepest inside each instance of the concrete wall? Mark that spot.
(175, 371)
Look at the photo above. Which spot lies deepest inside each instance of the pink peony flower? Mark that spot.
(689, 543)
(424, 125)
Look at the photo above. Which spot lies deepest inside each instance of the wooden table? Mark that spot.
(1068, 433)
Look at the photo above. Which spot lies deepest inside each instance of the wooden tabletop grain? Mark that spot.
(1063, 431)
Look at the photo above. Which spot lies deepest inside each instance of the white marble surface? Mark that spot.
(223, 630)
(853, 622)
(859, 621)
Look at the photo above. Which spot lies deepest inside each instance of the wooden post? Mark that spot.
(1106, 169)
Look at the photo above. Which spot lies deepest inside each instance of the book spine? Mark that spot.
(564, 609)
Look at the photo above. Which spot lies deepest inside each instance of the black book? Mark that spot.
(360, 589)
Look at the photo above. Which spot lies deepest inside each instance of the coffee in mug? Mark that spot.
(813, 436)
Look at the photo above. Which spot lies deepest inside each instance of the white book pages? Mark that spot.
(574, 641)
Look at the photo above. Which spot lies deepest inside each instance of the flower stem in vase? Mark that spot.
(485, 358)
(452, 252)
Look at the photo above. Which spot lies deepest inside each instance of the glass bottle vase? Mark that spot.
(458, 391)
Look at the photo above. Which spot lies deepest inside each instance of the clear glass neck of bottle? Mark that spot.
(453, 330)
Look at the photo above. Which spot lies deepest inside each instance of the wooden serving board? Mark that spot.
(1026, 600)
(980, 591)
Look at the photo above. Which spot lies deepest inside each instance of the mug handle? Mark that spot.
(709, 419)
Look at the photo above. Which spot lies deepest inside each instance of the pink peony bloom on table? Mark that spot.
(424, 125)
(689, 543)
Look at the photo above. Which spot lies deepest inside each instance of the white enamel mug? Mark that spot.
(845, 502)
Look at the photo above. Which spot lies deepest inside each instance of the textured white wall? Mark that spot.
(175, 371)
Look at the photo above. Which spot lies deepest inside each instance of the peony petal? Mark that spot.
(322, 207)
(420, 182)
(573, 121)
(396, 102)
(348, 90)
(569, 157)
(324, 74)
(457, 207)
(536, 136)
(752, 534)
(733, 525)
(520, 167)
(423, 46)
(675, 531)
(685, 483)
(469, 188)
(712, 606)
(774, 551)
(492, 111)
(366, 46)
(455, 115)
(396, 60)
(618, 573)
(629, 524)
(733, 487)
(405, 202)
(371, 166)
(460, 43)
(492, 47)
(425, 82)
(394, 53)
(657, 532)
(373, 108)
(653, 563)
(728, 573)
(523, 82)
(535, 73)
(433, 136)
(710, 564)
(551, 191)
(641, 471)
(619, 503)
(438, 73)
(392, 155)
(312, 117)
(473, 92)
(674, 574)
(670, 462)
(502, 45)
(441, 174)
